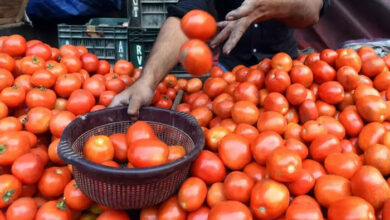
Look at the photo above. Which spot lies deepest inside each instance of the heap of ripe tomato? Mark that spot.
(42, 89)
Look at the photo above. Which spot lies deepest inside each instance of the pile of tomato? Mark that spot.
(285, 139)
(43, 89)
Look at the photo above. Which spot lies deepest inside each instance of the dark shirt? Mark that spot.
(260, 41)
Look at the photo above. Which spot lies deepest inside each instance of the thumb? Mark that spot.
(133, 109)
(243, 11)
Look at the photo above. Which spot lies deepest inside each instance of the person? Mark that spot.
(251, 30)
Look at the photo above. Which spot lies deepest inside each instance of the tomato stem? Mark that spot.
(43, 89)
(14, 86)
(35, 60)
(8, 195)
(50, 66)
(76, 185)
(24, 120)
(58, 171)
(61, 205)
(2, 148)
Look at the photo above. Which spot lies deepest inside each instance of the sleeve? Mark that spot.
(325, 6)
(184, 6)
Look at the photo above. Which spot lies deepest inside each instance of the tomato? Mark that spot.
(387, 60)
(303, 184)
(272, 121)
(99, 149)
(373, 66)
(14, 45)
(66, 84)
(264, 144)
(351, 207)
(385, 210)
(123, 67)
(23, 81)
(43, 78)
(230, 210)
(314, 168)
(372, 108)
(324, 145)
(214, 135)
(170, 209)
(6, 79)
(41, 97)
(39, 50)
(245, 112)
(311, 130)
(195, 57)
(53, 181)
(269, 199)
(42, 153)
(229, 77)
(38, 119)
(209, 167)
(55, 53)
(216, 194)
(10, 124)
(106, 97)
(323, 72)
(302, 75)
(148, 153)
(282, 61)
(53, 152)
(312, 58)
(330, 188)
(69, 50)
(256, 77)
(255, 171)
(331, 92)
(198, 24)
(31, 64)
(95, 86)
(80, 102)
(175, 152)
(73, 64)
(371, 134)
(377, 156)
(3, 110)
(115, 84)
(304, 207)
(7, 62)
(214, 86)
(333, 126)
(247, 131)
(329, 56)
(193, 85)
(171, 93)
(75, 198)
(28, 168)
(57, 69)
(10, 189)
(54, 210)
(201, 214)
(348, 57)
(369, 184)
(223, 108)
(293, 131)
(366, 53)
(119, 143)
(164, 102)
(138, 131)
(276, 102)
(89, 62)
(297, 146)
(277, 81)
(246, 91)
(234, 151)
(364, 90)
(12, 96)
(296, 94)
(382, 81)
(203, 115)
(308, 111)
(149, 213)
(81, 50)
(238, 186)
(60, 104)
(348, 77)
(200, 101)
(103, 67)
(192, 194)
(325, 109)
(284, 165)
(22, 208)
(183, 107)
(342, 164)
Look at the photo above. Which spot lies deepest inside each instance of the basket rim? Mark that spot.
(67, 154)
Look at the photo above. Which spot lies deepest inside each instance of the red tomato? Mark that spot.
(80, 102)
(256, 77)
(348, 57)
(230, 210)
(324, 145)
(302, 75)
(148, 153)
(343, 164)
(311, 59)
(119, 141)
(272, 121)
(311, 130)
(103, 67)
(40, 50)
(247, 131)
(303, 184)
(14, 45)
(115, 84)
(373, 66)
(59, 122)
(371, 134)
(203, 115)
(284, 165)
(323, 72)
(28, 168)
(22, 208)
(192, 194)
(53, 181)
(73, 64)
(264, 144)
(330, 188)
(234, 151)
(99, 149)
(38, 120)
(54, 208)
(276, 102)
(296, 94)
(209, 167)
(195, 57)
(331, 92)
(170, 209)
(348, 77)
(329, 56)
(245, 112)
(201, 214)
(372, 108)
(66, 84)
(351, 207)
(198, 24)
(238, 186)
(90, 62)
(7, 62)
(6, 78)
(304, 207)
(12, 96)
(269, 199)
(277, 81)
(214, 86)
(69, 50)
(75, 198)
(106, 97)
(282, 61)
(41, 97)
(376, 155)
(314, 168)
(164, 102)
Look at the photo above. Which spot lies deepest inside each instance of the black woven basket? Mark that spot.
(123, 188)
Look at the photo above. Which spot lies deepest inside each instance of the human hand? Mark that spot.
(136, 96)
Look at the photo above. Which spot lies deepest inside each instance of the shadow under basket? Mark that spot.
(136, 188)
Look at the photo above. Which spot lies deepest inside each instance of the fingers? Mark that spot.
(133, 109)
(222, 36)
(244, 10)
(238, 30)
(222, 24)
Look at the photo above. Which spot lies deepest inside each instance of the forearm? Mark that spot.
(164, 55)
(300, 13)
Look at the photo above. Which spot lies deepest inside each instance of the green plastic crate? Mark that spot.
(141, 41)
(107, 38)
(148, 13)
